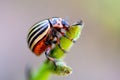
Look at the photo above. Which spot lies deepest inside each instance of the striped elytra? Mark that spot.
(36, 33)
(43, 33)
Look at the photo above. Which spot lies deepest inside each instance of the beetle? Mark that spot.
(45, 33)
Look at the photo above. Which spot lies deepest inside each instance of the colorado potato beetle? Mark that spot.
(43, 34)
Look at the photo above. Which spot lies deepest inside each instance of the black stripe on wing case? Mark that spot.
(36, 29)
(33, 27)
(33, 34)
(45, 27)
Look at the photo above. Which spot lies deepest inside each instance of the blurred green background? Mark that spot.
(95, 56)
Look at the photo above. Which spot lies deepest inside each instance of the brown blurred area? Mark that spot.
(95, 56)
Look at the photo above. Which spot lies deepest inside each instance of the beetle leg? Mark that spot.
(61, 48)
(69, 38)
(58, 42)
(47, 54)
(63, 34)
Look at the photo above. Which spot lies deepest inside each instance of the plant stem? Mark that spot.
(43, 73)
(48, 67)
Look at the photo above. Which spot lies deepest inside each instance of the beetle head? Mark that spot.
(65, 23)
(59, 23)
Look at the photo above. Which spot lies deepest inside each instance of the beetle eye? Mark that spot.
(65, 23)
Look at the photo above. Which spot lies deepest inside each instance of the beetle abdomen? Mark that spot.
(37, 33)
(40, 47)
